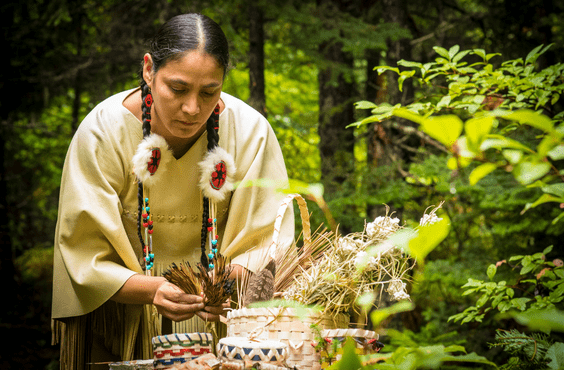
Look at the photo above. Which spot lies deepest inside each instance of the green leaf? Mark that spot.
(453, 51)
(544, 320)
(349, 359)
(406, 63)
(407, 114)
(557, 153)
(491, 271)
(445, 129)
(427, 238)
(382, 69)
(471, 357)
(441, 51)
(501, 142)
(556, 354)
(480, 172)
(476, 129)
(533, 119)
(520, 303)
(547, 250)
(460, 55)
(364, 104)
(512, 156)
(527, 172)
(510, 292)
(554, 189)
(480, 52)
(379, 315)
(545, 198)
(444, 102)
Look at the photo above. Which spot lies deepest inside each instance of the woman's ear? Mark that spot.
(148, 72)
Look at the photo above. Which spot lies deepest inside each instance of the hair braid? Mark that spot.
(212, 127)
(146, 117)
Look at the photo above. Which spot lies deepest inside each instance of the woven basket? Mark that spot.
(172, 349)
(286, 326)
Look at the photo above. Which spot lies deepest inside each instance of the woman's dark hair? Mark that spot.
(182, 34)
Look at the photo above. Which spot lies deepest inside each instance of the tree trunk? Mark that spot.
(382, 138)
(336, 112)
(257, 97)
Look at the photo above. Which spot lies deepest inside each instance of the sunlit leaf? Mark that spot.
(480, 172)
(445, 129)
(527, 172)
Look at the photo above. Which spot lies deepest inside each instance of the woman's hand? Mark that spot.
(173, 303)
(212, 313)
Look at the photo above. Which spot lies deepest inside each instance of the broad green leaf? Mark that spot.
(555, 189)
(527, 172)
(556, 153)
(445, 129)
(406, 63)
(427, 238)
(520, 303)
(480, 52)
(491, 271)
(501, 142)
(444, 102)
(532, 119)
(556, 354)
(441, 51)
(453, 51)
(544, 320)
(547, 250)
(512, 156)
(470, 358)
(349, 360)
(377, 316)
(480, 172)
(533, 55)
(407, 114)
(364, 104)
(545, 198)
(476, 129)
(382, 69)
(459, 56)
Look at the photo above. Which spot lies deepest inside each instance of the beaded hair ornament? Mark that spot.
(216, 181)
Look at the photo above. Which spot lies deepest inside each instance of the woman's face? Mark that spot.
(185, 92)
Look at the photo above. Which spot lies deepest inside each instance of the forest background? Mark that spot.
(304, 65)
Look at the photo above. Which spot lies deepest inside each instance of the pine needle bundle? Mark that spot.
(296, 259)
(184, 277)
(217, 286)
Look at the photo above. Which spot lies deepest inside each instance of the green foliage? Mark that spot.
(528, 351)
(499, 102)
(538, 285)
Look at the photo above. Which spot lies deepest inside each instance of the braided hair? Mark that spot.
(179, 35)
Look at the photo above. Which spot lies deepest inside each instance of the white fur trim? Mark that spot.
(207, 168)
(142, 158)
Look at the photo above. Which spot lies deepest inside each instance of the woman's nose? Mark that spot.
(191, 105)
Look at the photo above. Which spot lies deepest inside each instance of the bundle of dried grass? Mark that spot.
(336, 272)
(184, 277)
(217, 287)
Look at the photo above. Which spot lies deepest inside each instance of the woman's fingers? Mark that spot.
(173, 303)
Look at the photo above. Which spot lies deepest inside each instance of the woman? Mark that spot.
(108, 262)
